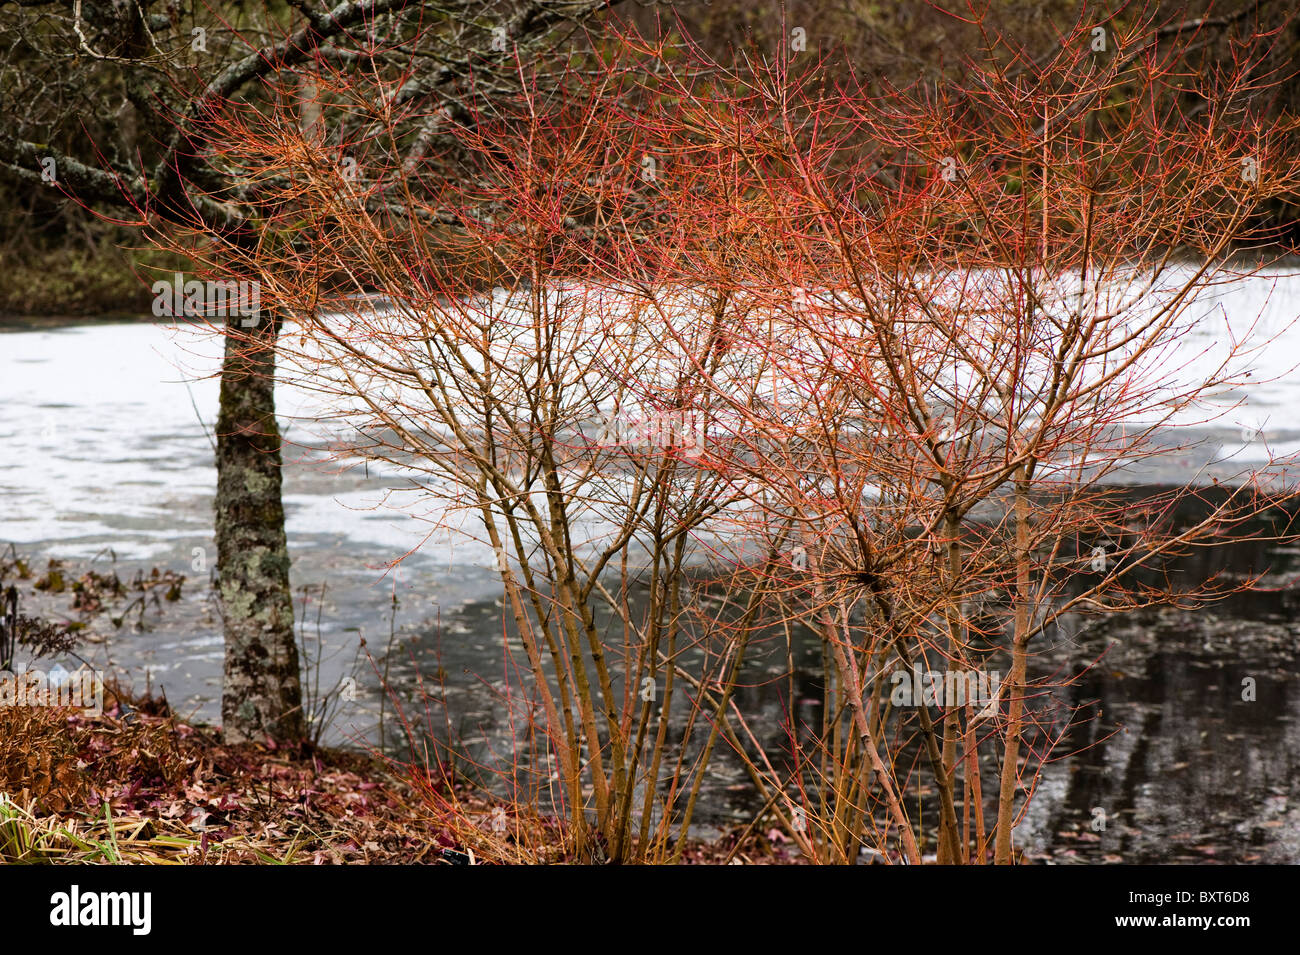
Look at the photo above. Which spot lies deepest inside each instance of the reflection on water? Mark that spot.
(1176, 766)
(1195, 756)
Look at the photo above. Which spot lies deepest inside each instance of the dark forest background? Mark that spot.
(59, 84)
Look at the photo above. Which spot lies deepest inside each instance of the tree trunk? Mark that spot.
(262, 694)
(1014, 686)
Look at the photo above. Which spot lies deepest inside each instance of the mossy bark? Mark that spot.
(262, 694)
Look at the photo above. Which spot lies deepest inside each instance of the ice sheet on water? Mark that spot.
(105, 429)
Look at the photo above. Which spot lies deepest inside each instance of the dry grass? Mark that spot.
(136, 786)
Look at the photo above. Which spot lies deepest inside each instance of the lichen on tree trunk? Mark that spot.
(262, 692)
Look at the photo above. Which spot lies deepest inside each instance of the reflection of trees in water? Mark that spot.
(1175, 759)
(1177, 764)
(1191, 771)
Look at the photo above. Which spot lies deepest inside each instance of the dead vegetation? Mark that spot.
(137, 786)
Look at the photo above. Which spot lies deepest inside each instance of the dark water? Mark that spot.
(1181, 764)
(1158, 757)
